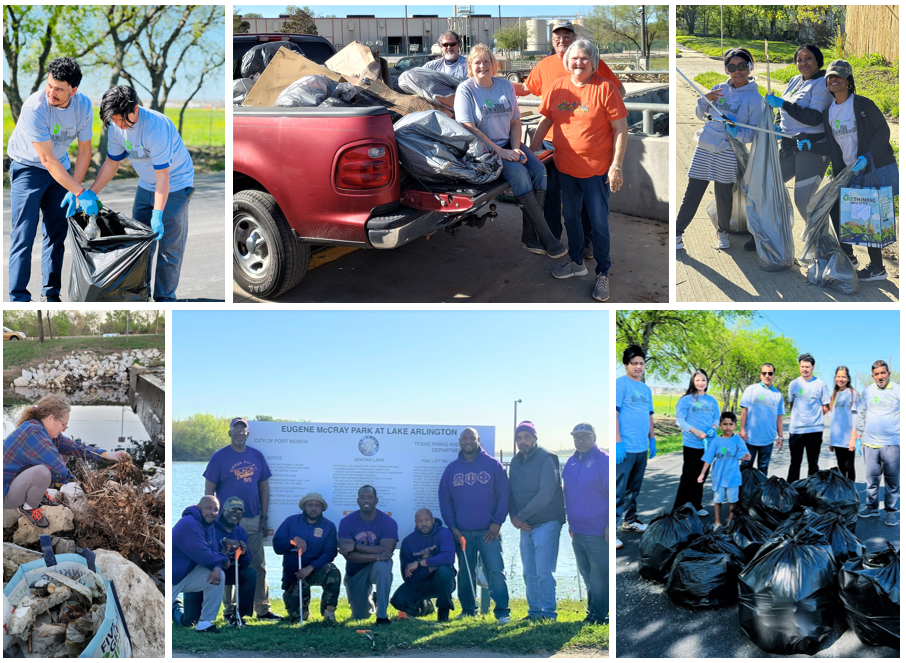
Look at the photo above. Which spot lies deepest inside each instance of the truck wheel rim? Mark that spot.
(250, 247)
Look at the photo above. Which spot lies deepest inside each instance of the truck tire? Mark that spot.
(267, 258)
(514, 77)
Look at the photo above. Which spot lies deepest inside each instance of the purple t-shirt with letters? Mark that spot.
(369, 534)
(236, 474)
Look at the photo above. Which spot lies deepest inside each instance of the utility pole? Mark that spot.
(515, 408)
(643, 60)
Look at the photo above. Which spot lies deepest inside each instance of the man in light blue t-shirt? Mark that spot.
(41, 186)
(809, 402)
(154, 148)
(761, 422)
(451, 63)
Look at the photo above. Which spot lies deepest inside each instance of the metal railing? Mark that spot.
(647, 110)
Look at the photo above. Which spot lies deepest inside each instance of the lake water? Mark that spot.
(188, 488)
(95, 425)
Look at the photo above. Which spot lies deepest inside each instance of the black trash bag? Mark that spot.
(805, 518)
(750, 490)
(115, 266)
(870, 594)
(828, 491)
(667, 534)
(258, 57)
(434, 86)
(842, 543)
(777, 500)
(787, 595)
(747, 533)
(704, 574)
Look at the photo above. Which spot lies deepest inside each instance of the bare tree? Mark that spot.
(40, 328)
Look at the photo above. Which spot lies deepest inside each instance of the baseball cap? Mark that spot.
(840, 68)
(239, 420)
(584, 427)
(565, 25)
(232, 503)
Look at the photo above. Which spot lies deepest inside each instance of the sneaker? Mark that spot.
(702, 512)
(867, 512)
(679, 242)
(891, 519)
(723, 240)
(51, 298)
(270, 617)
(35, 517)
(750, 245)
(855, 261)
(382, 621)
(601, 290)
(588, 252)
(206, 627)
(619, 544)
(568, 269)
(533, 247)
(503, 620)
(466, 615)
(330, 618)
(637, 526)
(873, 273)
(47, 500)
(177, 612)
(425, 608)
(593, 621)
(443, 614)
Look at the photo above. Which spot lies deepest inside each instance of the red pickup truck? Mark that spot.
(310, 177)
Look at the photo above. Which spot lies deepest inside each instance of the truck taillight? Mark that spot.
(364, 167)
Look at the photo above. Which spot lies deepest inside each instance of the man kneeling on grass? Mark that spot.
(426, 560)
(722, 455)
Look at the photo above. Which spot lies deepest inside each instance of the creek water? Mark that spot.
(188, 488)
(96, 425)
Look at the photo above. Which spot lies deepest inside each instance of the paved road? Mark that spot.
(650, 625)
(704, 274)
(202, 278)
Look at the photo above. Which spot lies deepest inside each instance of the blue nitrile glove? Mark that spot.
(711, 433)
(804, 145)
(730, 129)
(621, 452)
(773, 101)
(157, 222)
(861, 162)
(70, 204)
(778, 130)
(858, 446)
(652, 448)
(88, 202)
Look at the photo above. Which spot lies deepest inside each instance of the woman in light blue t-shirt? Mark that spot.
(697, 415)
(844, 402)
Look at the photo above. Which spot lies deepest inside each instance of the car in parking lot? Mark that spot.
(411, 62)
(10, 335)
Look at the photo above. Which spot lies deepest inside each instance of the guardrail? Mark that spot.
(646, 109)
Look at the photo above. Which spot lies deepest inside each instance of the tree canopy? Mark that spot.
(301, 21)
(623, 23)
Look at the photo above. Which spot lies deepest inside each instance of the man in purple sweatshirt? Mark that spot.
(426, 561)
(474, 500)
(585, 481)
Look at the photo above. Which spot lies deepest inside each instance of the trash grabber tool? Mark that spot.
(237, 618)
(301, 609)
(465, 558)
(371, 636)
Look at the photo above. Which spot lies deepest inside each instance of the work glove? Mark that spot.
(88, 202)
(70, 204)
(860, 164)
(859, 447)
(157, 222)
(804, 145)
(621, 452)
(652, 448)
(773, 101)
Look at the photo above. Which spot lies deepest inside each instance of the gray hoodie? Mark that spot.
(743, 104)
(805, 94)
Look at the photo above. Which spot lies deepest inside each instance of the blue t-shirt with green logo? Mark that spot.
(39, 121)
(635, 405)
(694, 411)
(724, 454)
(490, 110)
(807, 401)
(152, 144)
(879, 413)
(763, 406)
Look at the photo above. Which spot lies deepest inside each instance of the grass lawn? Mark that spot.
(659, 64)
(412, 636)
(779, 51)
(21, 354)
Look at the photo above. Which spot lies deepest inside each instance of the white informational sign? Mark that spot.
(404, 462)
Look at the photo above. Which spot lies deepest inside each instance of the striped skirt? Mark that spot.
(716, 167)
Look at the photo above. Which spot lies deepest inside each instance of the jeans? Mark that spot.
(808, 168)
(689, 489)
(593, 559)
(33, 193)
(695, 191)
(438, 585)
(630, 474)
(764, 456)
(595, 193)
(492, 561)
(358, 589)
(256, 547)
(527, 177)
(885, 460)
(539, 549)
(811, 444)
(553, 203)
(197, 581)
(846, 462)
(192, 601)
(171, 247)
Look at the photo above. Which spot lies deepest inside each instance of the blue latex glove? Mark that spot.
(157, 222)
(652, 448)
(69, 204)
(730, 129)
(860, 164)
(711, 433)
(705, 445)
(778, 130)
(773, 101)
(804, 145)
(621, 452)
(88, 202)
(858, 446)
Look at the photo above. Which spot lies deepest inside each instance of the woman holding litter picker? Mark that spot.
(844, 402)
(697, 415)
(714, 160)
(855, 128)
(802, 107)
(35, 455)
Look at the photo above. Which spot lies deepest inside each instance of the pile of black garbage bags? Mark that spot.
(790, 559)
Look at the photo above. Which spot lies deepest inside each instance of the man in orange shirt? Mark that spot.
(538, 83)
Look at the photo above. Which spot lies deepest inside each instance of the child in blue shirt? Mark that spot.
(723, 456)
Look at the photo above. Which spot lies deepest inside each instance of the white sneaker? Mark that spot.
(619, 544)
(634, 527)
(723, 240)
(504, 620)
(679, 242)
(703, 512)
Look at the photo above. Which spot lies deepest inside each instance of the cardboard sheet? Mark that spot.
(286, 67)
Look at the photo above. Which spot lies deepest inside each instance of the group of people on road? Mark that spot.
(221, 539)
(822, 118)
(45, 187)
(585, 125)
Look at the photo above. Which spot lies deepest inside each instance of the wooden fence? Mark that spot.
(873, 29)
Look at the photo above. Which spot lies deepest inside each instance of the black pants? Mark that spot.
(439, 585)
(874, 255)
(689, 489)
(695, 191)
(846, 462)
(811, 443)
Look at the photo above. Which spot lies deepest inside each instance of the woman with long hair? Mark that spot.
(697, 414)
(844, 403)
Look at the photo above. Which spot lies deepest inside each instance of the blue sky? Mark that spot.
(391, 11)
(420, 367)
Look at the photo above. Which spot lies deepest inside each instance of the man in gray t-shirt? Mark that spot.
(41, 186)
(451, 62)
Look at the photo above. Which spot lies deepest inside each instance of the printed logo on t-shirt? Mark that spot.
(845, 126)
(244, 472)
(637, 397)
(426, 552)
(499, 107)
(318, 533)
(470, 478)
(569, 107)
(589, 463)
(60, 136)
(366, 538)
(56, 129)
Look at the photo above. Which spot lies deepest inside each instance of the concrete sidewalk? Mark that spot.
(704, 274)
(650, 625)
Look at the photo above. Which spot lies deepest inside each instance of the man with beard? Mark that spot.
(451, 62)
(474, 499)
(426, 561)
(316, 537)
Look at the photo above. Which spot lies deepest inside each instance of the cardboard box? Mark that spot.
(286, 67)
(352, 61)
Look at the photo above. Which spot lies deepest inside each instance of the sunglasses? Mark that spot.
(733, 68)
(450, 45)
(767, 372)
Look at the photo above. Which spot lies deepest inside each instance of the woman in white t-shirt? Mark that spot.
(843, 405)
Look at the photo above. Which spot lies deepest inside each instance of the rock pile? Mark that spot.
(85, 370)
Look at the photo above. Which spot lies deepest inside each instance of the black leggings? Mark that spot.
(846, 462)
(689, 489)
(695, 191)
(811, 444)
